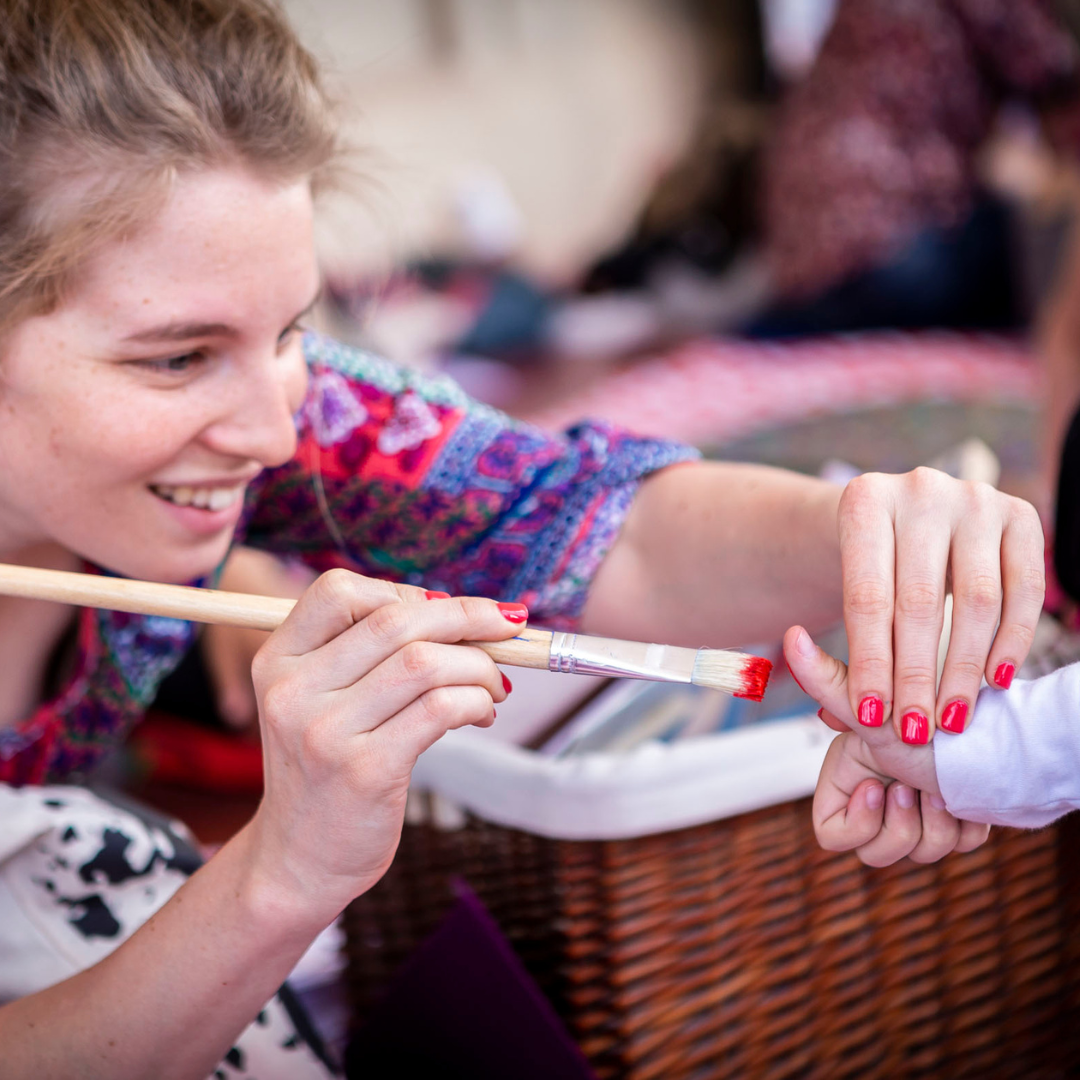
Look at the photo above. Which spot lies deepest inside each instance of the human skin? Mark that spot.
(363, 675)
(875, 795)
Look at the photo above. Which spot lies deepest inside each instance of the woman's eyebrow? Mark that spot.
(185, 331)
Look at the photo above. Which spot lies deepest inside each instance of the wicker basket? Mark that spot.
(739, 949)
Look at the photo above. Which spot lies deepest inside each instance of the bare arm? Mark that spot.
(717, 554)
(361, 678)
(721, 553)
(170, 1001)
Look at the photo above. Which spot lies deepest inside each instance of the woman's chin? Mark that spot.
(172, 567)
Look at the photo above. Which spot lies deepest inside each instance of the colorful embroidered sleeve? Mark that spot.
(405, 477)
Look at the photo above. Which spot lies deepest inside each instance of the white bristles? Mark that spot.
(735, 673)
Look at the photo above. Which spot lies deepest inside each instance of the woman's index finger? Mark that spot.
(333, 603)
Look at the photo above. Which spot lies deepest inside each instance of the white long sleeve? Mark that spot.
(1019, 761)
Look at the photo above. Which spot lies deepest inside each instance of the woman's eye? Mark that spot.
(175, 365)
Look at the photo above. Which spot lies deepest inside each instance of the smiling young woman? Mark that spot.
(158, 403)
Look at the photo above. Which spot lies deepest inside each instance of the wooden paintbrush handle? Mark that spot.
(529, 649)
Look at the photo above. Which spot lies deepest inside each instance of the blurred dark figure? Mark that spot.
(874, 216)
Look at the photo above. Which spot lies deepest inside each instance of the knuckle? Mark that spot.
(907, 832)
(862, 495)
(262, 668)
(829, 842)
(869, 598)
(281, 700)
(1031, 584)
(981, 496)
(938, 839)
(1020, 637)
(1024, 514)
(967, 669)
(472, 608)
(919, 600)
(420, 660)
(872, 665)
(923, 484)
(914, 672)
(337, 586)
(387, 624)
(317, 742)
(438, 706)
(979, 594)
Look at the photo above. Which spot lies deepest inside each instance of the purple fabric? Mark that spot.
(465, 1007)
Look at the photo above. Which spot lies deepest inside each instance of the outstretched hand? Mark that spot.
(905, 541)
(875, 795)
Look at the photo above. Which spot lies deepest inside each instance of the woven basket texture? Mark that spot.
(740, 949)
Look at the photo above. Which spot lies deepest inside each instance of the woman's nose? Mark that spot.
(262, 400)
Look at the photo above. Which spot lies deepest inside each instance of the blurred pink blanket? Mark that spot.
(716, 390)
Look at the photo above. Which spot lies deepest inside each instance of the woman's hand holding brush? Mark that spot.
(361, 677)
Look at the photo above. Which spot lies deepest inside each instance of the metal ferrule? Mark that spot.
(581, 654)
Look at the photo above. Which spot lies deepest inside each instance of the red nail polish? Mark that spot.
(871, 711)
(915, 728)
(1004, 675)
(435, 595)
(954, 716)
(821, 714)
(507, 684)
(516, 613)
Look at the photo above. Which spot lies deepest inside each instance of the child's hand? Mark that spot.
(857, 805)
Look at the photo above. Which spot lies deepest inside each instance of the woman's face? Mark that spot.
(133, 416)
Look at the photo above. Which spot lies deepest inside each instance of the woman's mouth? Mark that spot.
(201, 498)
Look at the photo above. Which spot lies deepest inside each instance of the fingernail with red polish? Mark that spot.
(871, 711)
(507, 684)
(915, 728)
(954, 716)
(435, 595)
(1004, 675)
(516, 613)
(821, 713)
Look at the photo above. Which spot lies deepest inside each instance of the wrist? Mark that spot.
(273, 898)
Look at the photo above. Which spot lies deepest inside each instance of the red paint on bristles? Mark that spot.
(755, 678)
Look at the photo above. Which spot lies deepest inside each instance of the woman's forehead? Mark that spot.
(221, 236)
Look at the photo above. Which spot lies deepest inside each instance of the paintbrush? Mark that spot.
(733, 672)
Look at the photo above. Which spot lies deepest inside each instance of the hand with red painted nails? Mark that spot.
(904, 541)
(360, 679)
(876, 794)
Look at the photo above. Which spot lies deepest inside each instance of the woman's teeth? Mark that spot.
(204, 498)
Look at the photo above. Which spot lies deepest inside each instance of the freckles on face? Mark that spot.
(99, 409)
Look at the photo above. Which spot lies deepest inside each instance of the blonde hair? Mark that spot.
(104, 102)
